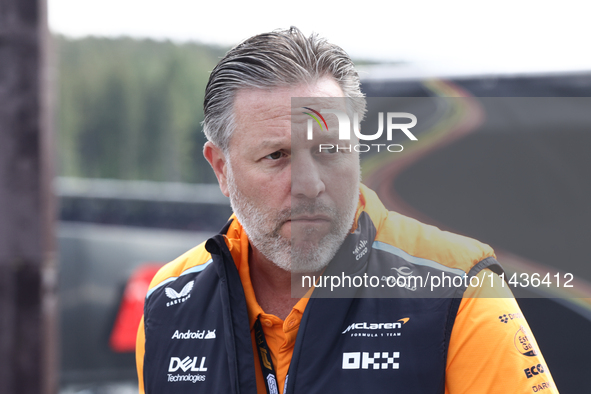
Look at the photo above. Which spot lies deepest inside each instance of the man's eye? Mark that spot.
(327, 148)
(275, 155)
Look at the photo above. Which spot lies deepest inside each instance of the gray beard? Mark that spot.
(262, 227)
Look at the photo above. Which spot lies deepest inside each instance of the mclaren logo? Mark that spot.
(178, 298)
(377, 326)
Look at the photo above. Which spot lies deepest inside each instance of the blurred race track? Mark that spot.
(513, 171)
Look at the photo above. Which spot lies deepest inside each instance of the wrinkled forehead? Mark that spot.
(275, 114)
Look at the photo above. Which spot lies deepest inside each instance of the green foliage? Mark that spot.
(131, 109)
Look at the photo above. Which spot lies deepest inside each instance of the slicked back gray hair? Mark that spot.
(277, 59)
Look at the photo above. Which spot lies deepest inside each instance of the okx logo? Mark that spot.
(367, 360)
(186, 364)
(393, 123)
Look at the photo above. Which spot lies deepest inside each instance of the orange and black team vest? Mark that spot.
(370, 339)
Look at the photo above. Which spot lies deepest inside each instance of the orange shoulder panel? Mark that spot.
(194, 257)
(422, 240)
(492, 349)
(140, 350)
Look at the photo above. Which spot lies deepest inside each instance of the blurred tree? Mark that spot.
(131, 109)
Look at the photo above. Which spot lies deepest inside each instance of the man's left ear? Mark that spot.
(217, 160)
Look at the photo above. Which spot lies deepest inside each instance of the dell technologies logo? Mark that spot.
(186, 364)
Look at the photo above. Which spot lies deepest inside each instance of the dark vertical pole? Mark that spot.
(28, 335)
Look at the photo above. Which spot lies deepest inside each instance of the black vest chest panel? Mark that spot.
(372, 345)
(201, 344)
(198, 337)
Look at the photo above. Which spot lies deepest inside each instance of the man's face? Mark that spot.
(296, 203)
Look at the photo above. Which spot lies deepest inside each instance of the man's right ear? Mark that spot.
(217, 160)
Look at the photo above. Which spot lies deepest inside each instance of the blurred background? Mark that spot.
(126, 81)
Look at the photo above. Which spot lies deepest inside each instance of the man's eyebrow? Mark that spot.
(277, 144)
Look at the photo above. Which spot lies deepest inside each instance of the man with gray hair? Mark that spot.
(225, 317)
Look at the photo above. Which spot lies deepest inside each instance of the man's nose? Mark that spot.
(306, 178)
